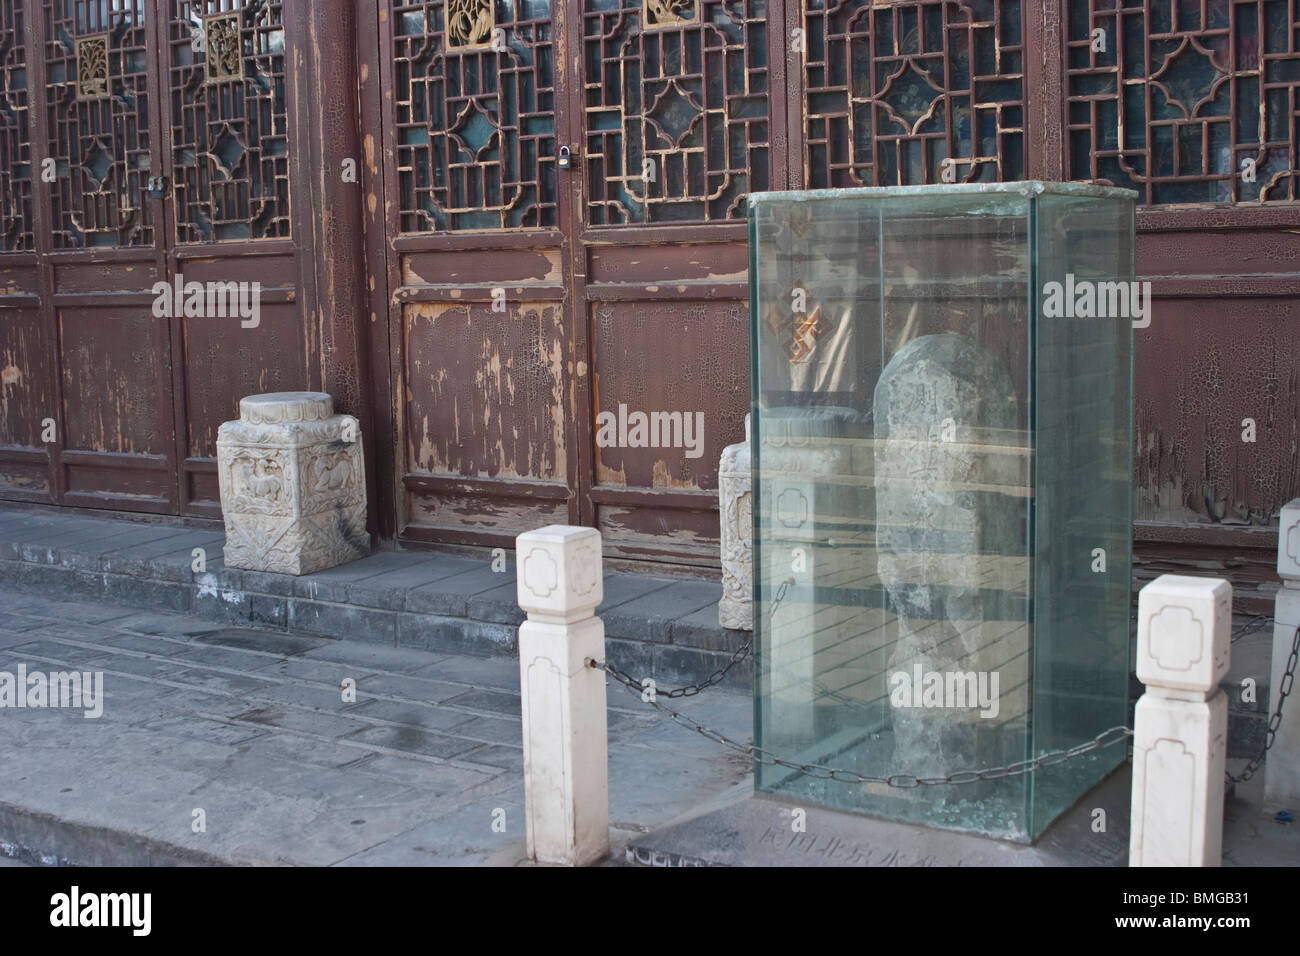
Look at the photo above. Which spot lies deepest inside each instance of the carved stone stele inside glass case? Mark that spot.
(942, 465)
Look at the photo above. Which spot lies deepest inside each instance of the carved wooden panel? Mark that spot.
(914, 91)
(229, 120)
(676, 108)
(475, 114)
(97, 113)
(16, 173)
(1186, 102)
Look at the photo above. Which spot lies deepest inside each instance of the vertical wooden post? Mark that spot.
(326, 68)
(1181, 726)
(566, 767)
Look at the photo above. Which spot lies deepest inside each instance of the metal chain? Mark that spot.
(907, 781)
(904, 781)
(1275, 721)
(1254, 624)
(690, 690)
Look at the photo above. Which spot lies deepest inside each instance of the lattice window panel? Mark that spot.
(475, 109)
(903, 93)
(97, 111)
(1185, 97)
(15, 138)
(229, 136)
(676, 102)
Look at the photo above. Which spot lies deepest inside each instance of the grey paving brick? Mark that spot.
(495, 755)
(343, 621)
(326, 698)
(630, 656)
(261, 582)
(491, 702)
(686, 664)
(332, 584)
(494, 730)
(456, 635)
(409, 714)
(220, 681)
(313, 723)
(389, 590)
(311, 671)
(281, 645)
(413, 740)
(359, 658)
(408, 687)
(650, 617)
(221, 604)
(701, 630)
(497, 605)
(177, 546)
(144, 593)
(498, 673)
(619, 587)
(449, 596)
(435, 779)
(268, 611)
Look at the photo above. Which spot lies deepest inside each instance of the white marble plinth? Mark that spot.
(566, 767)
(293, 489)
(1180, 731)
(1282, 768)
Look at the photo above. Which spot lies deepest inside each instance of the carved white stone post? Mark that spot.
(1282, 770)
(293, 487)
(1181, 725)
(566, 773)
(735, 484)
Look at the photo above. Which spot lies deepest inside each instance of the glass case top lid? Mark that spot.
(1028, 188)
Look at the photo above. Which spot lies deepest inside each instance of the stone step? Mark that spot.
(656, 625)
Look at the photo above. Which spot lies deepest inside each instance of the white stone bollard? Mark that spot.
(566, 767)
(1180, 731)
(736, 501)
(1282, 769)
(293, 485)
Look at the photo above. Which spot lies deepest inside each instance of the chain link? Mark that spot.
(1275, 721)
(902, 781)
(690, 690)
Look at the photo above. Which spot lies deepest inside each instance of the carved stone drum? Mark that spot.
(293, 488)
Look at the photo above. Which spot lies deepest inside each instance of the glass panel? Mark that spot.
(1083, 492)
(898, 509)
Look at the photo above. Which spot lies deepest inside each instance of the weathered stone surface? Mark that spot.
(1282, 772)
(292, 485)
(1180, 727)
(566, 774)
(949, 470)
(735, 499)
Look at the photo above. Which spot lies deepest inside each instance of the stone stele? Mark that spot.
(949, 498)
(293, 489)
(735, 498)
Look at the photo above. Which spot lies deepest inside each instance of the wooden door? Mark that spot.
(147, 144)
(527, 293)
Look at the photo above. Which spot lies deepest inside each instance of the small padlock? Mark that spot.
(563, 160)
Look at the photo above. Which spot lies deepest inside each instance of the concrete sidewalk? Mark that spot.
(250, 728)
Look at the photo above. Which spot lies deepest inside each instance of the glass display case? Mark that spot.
(942, 435)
